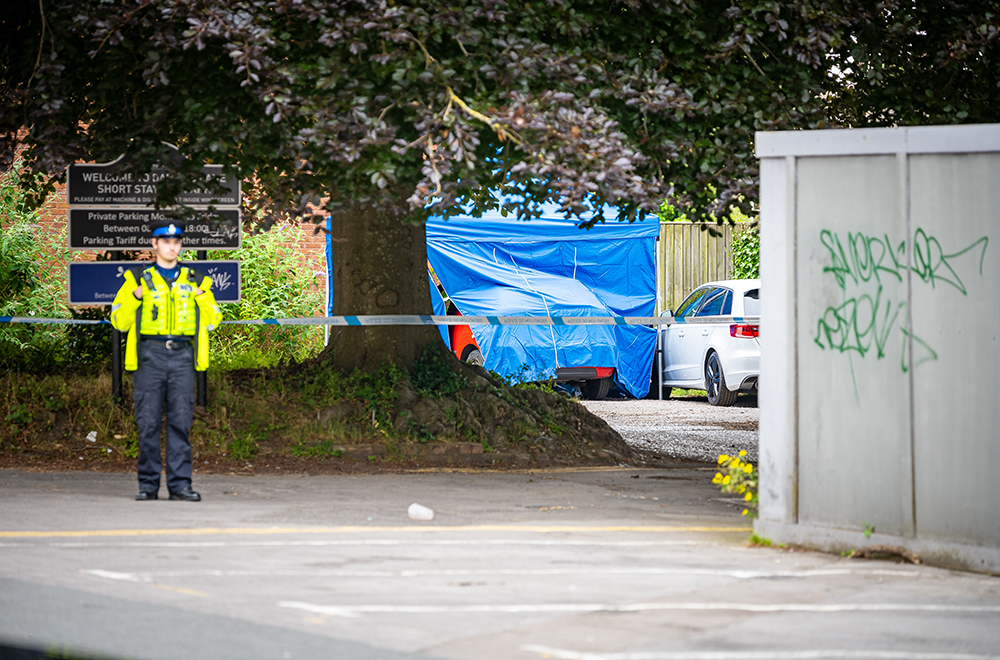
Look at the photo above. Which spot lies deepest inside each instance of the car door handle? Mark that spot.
(705, 332)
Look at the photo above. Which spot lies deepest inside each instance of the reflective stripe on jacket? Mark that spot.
(163, 310)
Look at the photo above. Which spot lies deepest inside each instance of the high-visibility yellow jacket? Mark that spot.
(165, 310)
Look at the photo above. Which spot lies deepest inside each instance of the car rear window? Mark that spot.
(751, 303)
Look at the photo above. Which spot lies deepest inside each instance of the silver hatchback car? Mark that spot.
(712, 343)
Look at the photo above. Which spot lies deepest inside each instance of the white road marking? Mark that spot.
(365, 529)
(135, 577)
(507, 572)
(358, 610)
(114, 575)
(358, 542)
(818, 654)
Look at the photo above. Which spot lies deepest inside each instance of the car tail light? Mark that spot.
(744, 330)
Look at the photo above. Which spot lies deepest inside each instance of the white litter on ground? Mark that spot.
(420, 512)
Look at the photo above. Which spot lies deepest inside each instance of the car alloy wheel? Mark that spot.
(715, 383)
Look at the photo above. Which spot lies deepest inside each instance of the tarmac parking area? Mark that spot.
(594, 564)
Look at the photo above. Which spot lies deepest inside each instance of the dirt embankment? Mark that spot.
(267, 422)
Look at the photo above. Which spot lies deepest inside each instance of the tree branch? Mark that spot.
(502, 132)
(41, 43)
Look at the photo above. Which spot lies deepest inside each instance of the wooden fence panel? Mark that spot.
(689, 256)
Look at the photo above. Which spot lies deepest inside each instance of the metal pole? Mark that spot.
(116, 355)
(660, 284)
(116, 366)
(201, 377)
(659, 359)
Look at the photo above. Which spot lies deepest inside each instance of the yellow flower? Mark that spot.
(726, 479)
(745, 511)
(717, 478)
(748, 468)
(723, 458)
(743, 452)
(748, 497)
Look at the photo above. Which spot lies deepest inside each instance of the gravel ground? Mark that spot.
(687, 428)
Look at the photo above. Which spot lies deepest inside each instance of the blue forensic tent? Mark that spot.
(548, 266)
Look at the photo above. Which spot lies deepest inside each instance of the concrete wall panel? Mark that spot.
(955, 218)
(880, 347)
(854, 400)
(777, 459)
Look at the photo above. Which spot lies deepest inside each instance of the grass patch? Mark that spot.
(251, 415)
(295, 411)
(322, 449)
(763, 542)
(243, 447)
(678, 393)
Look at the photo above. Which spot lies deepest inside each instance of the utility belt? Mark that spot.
(170, 342)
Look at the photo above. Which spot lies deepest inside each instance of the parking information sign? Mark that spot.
(113, 184)
(97, 282)
(129, 229)
(111, 208)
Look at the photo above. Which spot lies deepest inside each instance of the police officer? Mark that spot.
(167, 308)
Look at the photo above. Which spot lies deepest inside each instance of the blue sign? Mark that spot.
(97, 282)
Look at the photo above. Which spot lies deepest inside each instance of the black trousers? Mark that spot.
(164, 383)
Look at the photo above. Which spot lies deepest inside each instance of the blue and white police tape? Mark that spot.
(398, 320)
(457, 320)
(35, 319)
(416, 319)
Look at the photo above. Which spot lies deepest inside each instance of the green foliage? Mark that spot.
(918, 63)
(374, 392)
(89, 344)
(19, 416)
(737, 476)
(128, 443)
(745, 247)
(277, 282)
(678, 393)
(669, 213)
(518, 378)
(420, 431)
(31, 283)
(243, 447)
(425, 103)
(432, 374)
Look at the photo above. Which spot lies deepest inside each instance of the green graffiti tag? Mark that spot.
(932, 265)
(858, 325)
(865, 258)
(864, 322)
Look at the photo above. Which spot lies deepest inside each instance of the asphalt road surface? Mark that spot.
(611, 564)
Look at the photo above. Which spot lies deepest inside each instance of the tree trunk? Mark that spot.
(379, 267)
